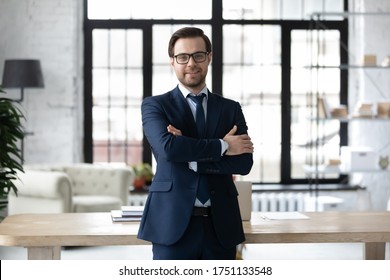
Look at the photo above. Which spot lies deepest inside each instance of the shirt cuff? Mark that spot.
(193, 165)
(224, 146)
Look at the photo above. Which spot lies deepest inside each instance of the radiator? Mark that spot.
(278, 202)
(264, 202)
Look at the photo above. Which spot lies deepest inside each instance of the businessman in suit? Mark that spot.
(192, 210)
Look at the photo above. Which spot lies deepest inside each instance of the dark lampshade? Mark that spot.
(22, 73)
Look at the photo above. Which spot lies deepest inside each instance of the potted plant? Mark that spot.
(143, 175)
(11, 131)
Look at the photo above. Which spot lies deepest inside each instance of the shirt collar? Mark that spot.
(186, 92)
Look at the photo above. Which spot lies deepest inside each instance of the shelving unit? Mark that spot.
(326, 169)
(317, 168)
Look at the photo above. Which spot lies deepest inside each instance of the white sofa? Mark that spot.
(70, 188)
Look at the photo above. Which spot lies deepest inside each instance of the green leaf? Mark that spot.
(11, 132)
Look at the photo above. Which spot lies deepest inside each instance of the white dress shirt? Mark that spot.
(193, 164)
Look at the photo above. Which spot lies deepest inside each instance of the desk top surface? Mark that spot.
(97, 229)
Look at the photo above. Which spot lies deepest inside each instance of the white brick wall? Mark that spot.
(49, 30)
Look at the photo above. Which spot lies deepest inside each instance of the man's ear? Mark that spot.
(172, 60)
(210, 57)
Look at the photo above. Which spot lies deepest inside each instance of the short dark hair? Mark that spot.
(187, 32)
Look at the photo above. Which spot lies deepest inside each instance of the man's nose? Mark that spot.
(191, 61)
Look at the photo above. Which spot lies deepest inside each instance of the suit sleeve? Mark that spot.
(156, 116)
(240, 164)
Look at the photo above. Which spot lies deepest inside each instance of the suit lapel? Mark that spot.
(186, 118)
(213, 114)
(184, 112)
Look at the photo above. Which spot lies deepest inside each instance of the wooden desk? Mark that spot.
(44, 234)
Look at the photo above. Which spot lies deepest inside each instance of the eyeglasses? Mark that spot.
(198, 57)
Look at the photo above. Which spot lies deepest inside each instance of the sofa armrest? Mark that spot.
(41, 192)
(91, 179)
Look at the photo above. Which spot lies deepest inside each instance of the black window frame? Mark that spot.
(217, 22)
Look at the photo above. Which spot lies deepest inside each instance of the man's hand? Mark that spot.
(238, 144)
(174, 130)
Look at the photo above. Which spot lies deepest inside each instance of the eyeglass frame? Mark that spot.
(191, 55)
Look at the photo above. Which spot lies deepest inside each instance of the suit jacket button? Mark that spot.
(212, 192)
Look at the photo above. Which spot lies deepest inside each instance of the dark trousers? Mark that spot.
(199, 242)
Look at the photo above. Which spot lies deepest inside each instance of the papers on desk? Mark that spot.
(127, 214)
(283, 216)
(132, 210)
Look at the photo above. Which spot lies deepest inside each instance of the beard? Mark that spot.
(194, 82)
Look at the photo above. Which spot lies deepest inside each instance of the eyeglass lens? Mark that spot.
(185, 57)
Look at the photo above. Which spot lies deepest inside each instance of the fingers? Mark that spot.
(174, 130)
(233, 130)
(239, 144)
(170, 128)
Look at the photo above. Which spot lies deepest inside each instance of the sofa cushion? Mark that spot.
(95, 203)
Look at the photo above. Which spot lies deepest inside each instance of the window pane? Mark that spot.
(117, 87)
(148, 9)
(100, 48)
(322, 45)
(306, 133)
(292, 9)
(100, 86)
(117, 95)
(279, 9)
(134, 86)
(263, 116)
(252, 44)
(117, 116)
(164, 79)
(162, 34)
(117, 48)
(252, 76)
(117, 152)
(244, 9)
(134, 48)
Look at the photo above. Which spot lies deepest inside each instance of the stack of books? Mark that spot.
(127, 214)
(365, 110)
(339, 112)
(323, 108)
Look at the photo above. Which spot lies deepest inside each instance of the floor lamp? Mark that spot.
(22, 73)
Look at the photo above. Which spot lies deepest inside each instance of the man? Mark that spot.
(196, 148)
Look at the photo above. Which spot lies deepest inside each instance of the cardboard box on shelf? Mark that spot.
(369, 60)
(383, 109)
(340, 112)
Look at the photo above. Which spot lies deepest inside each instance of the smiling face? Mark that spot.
(192, 75)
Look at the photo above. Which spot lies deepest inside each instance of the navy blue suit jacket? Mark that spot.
(172, 193)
